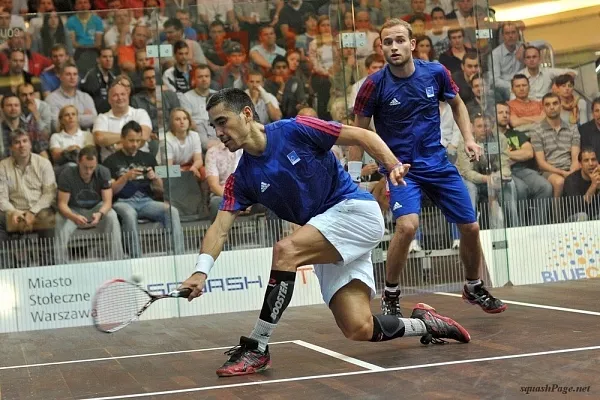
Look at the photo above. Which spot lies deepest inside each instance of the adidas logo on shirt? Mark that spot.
(264, 186)
(396, 206)
(394, 102)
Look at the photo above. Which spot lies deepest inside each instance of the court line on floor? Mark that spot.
(344, 374)
(545, 307)
(339, 356)
(88, 360)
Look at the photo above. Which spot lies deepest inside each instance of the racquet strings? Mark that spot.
(117, 304)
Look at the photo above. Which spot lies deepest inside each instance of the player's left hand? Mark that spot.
(473, 150)
(397, 174)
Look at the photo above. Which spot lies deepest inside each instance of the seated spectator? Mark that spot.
(28, 210)
(35, 63)
(183, 15)
(418, 23)
(85, 201)
(98, 79)
(507, 59)
(134, 185)
(491, 173)
(66, 143)
(209, 10)
(424, 49)
(363, 24)
(50, 78)
(290, 20)
(177, 78)
(252, 15)
(310, 33)
(43, 8)
(452, 59)
(479, 103)
(16, 75)
(52, 32)
(146, 100)
(86, 30)
(153, 11)
(136, 76)
(590, 131)
(195, 101)
(469, 68)
(530, 185)
(183, 144)
(126, 54)
(174, 33)
(540, 79)
(417, 8)
(120, 33)
(556, 145)
(220, 163)
(288, 90)
(524, 111)
(68, 93)
(462, 17)
(373, 63)
(439, 31)
(582, 188)
(321, 53)
(108, 125)
(214, 48)
(266, 105)
(263, 54)
(36, 112)
(574, 108)
(14, 120)
(445, 5)
(235, 72)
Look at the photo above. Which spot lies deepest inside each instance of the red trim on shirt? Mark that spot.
(363, 97)
(452, 83)
(228, 194)
(329, 127)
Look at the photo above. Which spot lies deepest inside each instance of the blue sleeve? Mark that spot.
(319, 134)
(448, 88)
(235, 196)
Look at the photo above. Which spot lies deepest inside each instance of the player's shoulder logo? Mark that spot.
(293, 157)
(429, 91)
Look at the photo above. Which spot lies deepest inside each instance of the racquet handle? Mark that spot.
(185, 292)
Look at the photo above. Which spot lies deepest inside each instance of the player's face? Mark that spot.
(232, 129)
(397, 46)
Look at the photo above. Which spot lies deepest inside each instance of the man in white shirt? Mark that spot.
(107, 128)
(177, 78)
(266, 105)
(195, 102)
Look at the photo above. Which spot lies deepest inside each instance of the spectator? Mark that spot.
(27, 190)
(310, 33)
(120, 33)
(417, 8)
(439, 31)
(108, 125)
(462, 17)
(85, 201)
(183, 144)
(146, 100)
(263, 54)
(452, 59)
(469, 68)
(290, 20)
(44, 8)
(50, 78)
(67, 93)
(394, 8)
(479, 103)
(424, 48)
(174, 34)
(540, 79)
(220, 163)
(66, 143)
(52, 32)
(321, 54)
(195, 101)
(582, 188)
(418, 23)
(86, 30)
(134, 185)
(15, 121)
(266, 105)
(530, 185)
(288, 89)
(445, 5)
(209, 10)
(491, 172)
(16, 75)
(153, 16)
(35, 112)
(98, 79)
(127, 53)
(507, 59)
(183, 15)
(556, 145)
(524, 111)
(235, 72)
(214, 48)
(363, 24)
(299, 68)
(590, 131)
(373, 63)
(253, 14)
(136, 76)
(574, 108)
(177, 78)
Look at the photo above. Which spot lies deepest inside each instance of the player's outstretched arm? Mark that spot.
(376, 147)
(212, 245)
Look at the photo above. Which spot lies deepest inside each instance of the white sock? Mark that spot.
(392, 289)
(262, 333)
(413, 327)
(471, 284)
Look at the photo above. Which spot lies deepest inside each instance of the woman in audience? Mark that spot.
(52, 32)
(183, 145)
(574, 108)
(65, 145)
(321, 54)
(424, 49)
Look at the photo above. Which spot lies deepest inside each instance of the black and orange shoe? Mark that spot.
(481, 297)
(245, 359)
(438, 326)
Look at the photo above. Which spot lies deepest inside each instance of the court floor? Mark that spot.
(547, 341)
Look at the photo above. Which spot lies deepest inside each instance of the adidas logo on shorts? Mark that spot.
(394, 102)
(396, 206)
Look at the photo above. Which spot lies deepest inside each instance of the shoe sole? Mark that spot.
(493, 311)
(449, 321)
(249, 371)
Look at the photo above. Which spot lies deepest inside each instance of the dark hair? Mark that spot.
(309, 15)
(422, 38)
(453, 31)
(437, 9)
(549, 96)
(12, 51)
(417, 17)
(374, 57)
(147, 68)
(586, 149)
(180, 44)
(595, 101)
(517, 77)
(502, 103)
(475, 76)
(50, 41)
(130, 126)
(69, 64)
(528, 46)
(279, 59)
(89, 152)
(564, 79)
(470, 56)
(216, 23)
(8, 96)
(105, 48)
(233, 99)
(17, 133)
(173, 22)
